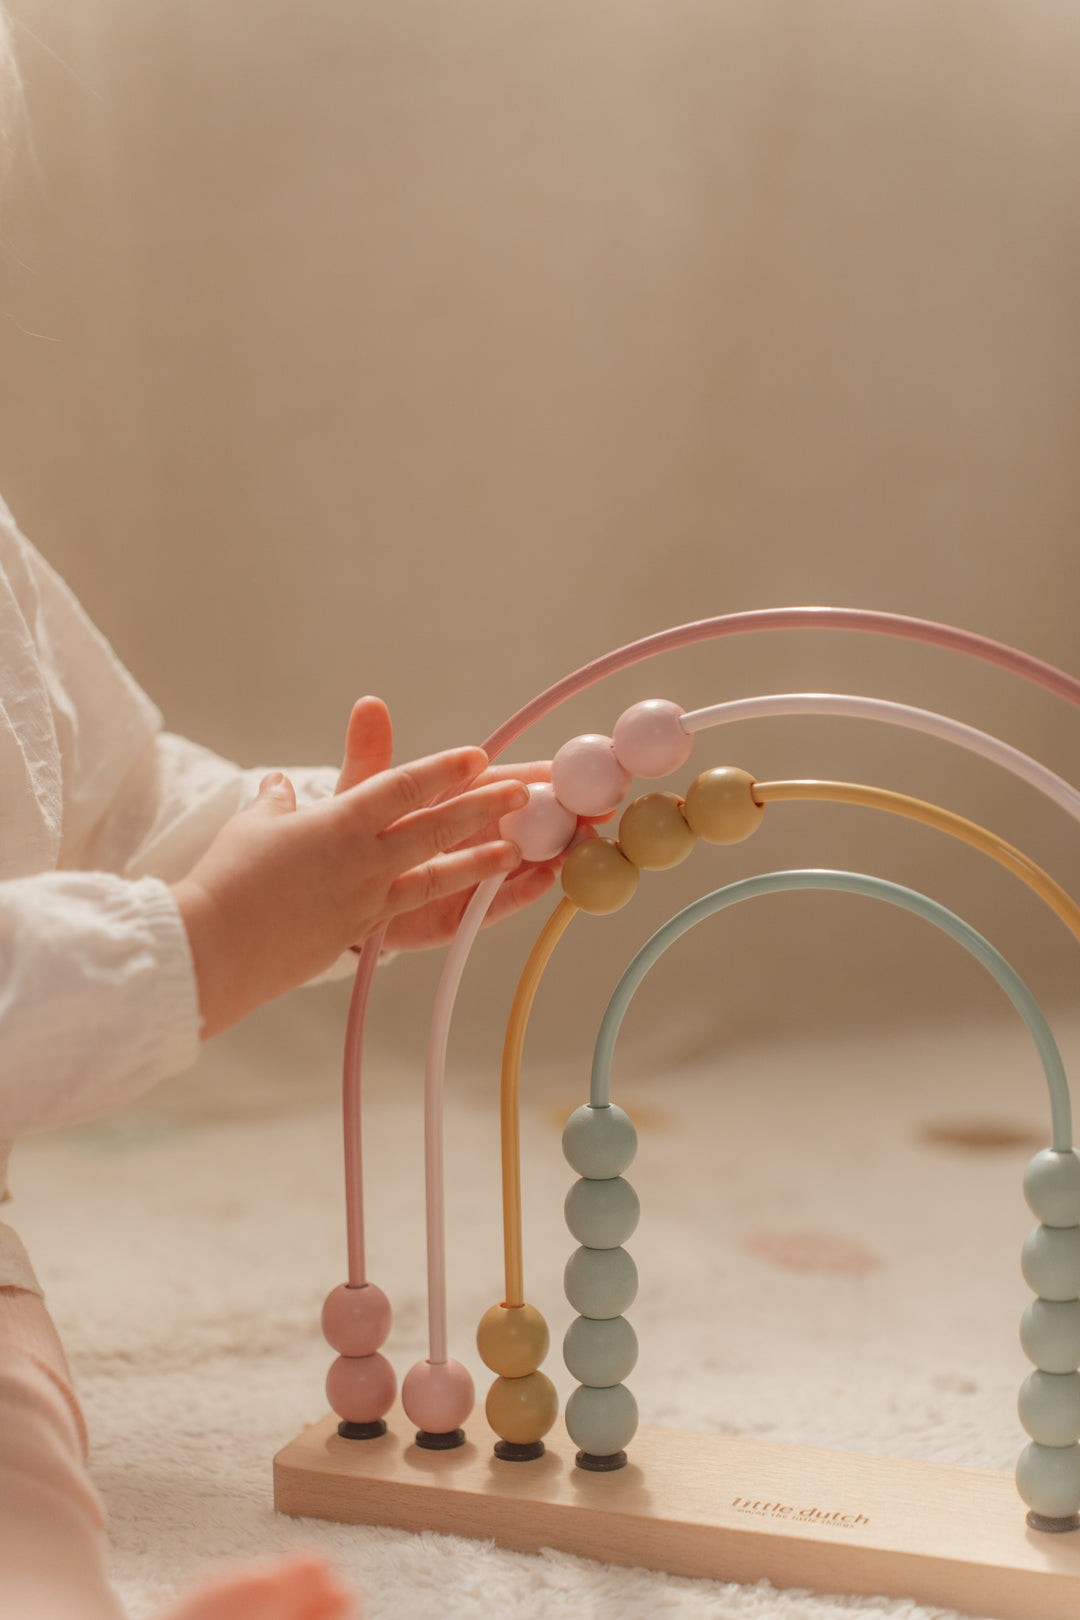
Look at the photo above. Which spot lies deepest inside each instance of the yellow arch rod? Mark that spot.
(932, 815)
(902, 804)
(510, 1111)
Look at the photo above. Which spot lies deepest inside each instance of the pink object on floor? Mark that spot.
(300, 1586)
(810, 1251)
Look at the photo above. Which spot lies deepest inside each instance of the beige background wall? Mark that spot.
(433, 347)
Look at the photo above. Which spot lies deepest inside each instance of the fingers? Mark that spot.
(445, 826)
(276, 796)
(448, 874)
(438, 923)
(526, 885)
(535, 770)
(396, 793)
(369, 743)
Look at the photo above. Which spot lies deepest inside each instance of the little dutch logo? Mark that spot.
(780, 1510)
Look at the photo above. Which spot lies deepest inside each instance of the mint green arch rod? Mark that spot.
(871, 888)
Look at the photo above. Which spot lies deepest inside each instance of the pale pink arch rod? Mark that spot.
(684, 635)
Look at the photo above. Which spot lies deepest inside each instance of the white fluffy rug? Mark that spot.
(187, 1245)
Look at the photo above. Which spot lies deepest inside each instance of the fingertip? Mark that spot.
(469, 761)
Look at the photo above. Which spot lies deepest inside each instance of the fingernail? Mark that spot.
(510, 857)
(272, 780)
(520, 797)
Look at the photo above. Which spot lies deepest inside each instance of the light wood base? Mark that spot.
(706, 1505)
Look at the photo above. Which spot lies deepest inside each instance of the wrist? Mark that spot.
(218, 988)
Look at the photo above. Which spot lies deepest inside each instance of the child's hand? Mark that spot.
(369, 744)
(281, 893)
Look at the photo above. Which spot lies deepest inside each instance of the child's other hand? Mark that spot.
(281, 893)
(369, 744)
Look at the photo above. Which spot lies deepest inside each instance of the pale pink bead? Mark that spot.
(438, 1395)
(587, 777)
(356, 1320)
(542, 828)
(648, 739)
(361, 1389)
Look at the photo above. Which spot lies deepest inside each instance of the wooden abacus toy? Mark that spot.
(594, 1483)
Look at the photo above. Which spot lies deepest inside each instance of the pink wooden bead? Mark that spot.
(587, 777)
(355, 1321)
(542, 828)
(648, 739)
(438, 1396)
(361, 1389)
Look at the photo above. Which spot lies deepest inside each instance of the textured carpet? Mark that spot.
(828, 1254)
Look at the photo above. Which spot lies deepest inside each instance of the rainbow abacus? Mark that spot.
(591, 776)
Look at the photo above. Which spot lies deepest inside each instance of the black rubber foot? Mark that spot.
(601, 1465)
(1054, 1527)
(440, 1442)
(511, 1451)
(361, 1431)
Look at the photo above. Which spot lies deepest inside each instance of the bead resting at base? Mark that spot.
(438, 1396)
(601, 1421)
(522, 1410)
(361, 1389)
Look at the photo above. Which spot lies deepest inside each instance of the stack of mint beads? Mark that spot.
(600, 1348)
(1048, 1472)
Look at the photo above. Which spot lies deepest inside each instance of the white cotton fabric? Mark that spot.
(100, 809)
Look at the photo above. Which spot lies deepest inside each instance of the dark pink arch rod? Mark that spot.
(635, 652)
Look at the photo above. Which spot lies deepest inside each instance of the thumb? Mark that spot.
(276, 795)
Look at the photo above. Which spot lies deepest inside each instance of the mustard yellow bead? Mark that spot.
(522, 1410)
(653, 832)
(598, 878)
(512, 1339)
(720, 805)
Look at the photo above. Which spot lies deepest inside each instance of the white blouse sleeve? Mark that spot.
(97, 995)
(102, 810)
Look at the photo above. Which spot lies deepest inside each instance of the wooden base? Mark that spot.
(706, 1505)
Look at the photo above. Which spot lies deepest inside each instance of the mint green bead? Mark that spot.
(1050, 1261)
(1052, 1187)
(601, 1421)
(600, 1282)
(602, 1214)
(1050, 1334)
(1049, 1407)
(600, 1353)
(1048, 1479)
(599, 1142)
